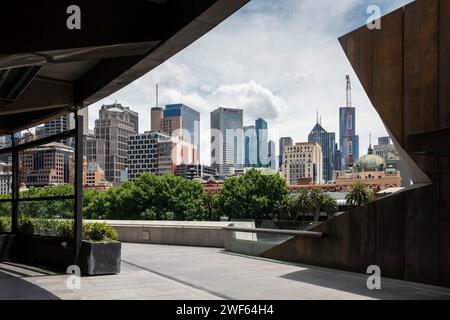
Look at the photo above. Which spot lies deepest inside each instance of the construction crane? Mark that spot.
(349, 124)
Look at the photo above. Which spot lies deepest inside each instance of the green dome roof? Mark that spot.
(370, 162)
(391, 170)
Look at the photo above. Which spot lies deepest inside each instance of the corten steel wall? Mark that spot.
(405, 70)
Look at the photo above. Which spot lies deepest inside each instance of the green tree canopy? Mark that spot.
(359, 195)
(253, 196)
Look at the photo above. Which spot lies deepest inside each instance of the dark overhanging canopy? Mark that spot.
(48, 70)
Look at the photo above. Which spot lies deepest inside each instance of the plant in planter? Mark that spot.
(100, 250)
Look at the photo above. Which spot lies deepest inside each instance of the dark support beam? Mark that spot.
(40, 142)
(15, 188)
(78, 208)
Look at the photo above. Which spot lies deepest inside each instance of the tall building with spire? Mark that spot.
(327, 140)
(350, 120)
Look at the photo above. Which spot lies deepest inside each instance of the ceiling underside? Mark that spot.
(47, 70)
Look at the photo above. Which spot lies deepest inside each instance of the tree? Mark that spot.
(359, 195)
(303, 203)
(330, 205)
(210, 202)
(317, 199)
(253, 196)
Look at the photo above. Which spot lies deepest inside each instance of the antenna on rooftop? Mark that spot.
(157, 95)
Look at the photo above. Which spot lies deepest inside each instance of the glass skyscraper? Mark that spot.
(342, 136)
(181, 117)
(250, 147)
(327, 141)
(262, 140)
(227, 139)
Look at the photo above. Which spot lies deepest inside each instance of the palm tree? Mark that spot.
(330, 205)
(317, 197)
(359, 195)
(302, 203)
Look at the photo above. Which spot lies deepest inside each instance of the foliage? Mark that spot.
(317, 197)
(329, 205)
(359, 195)
(65, 228)
(5, 224)
(99, 232)
(303, 203)
(253, 196)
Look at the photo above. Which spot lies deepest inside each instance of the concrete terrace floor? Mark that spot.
(185, 273)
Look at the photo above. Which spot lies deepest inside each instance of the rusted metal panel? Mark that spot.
(420, 66)
(422, 235)
(444, 63)
(444, 224)
(358, 46)
(388, 72)
(390, 235)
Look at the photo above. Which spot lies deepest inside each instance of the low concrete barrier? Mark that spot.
(183, 233)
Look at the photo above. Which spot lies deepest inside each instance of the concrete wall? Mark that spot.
(184, 233)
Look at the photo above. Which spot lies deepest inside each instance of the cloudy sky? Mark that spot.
(275, 59)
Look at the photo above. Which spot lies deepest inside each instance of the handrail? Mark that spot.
(296, 233)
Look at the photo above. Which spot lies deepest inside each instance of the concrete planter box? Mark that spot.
(7, 246)
(99, 258)
(46, 251)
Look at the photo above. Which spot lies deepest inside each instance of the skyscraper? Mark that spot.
(303, 164)
(327, 141)
(262, 137)
(115, 124)
(250, 147)
(227, 139)
(343, 122)
(284, 142)
(184, 121)
(157, 116)
(272, 154)
(66, 123)
(383, 141)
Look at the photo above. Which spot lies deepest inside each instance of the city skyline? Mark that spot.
(293, 75)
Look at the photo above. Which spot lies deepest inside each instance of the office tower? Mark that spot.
(262, 137)
(157, 116)
(95, 175)
(284, 142)
(5, 142)
(46, 165)
(158, 153)
(195, 171)
(143, 153)
(63, 124)
(327, 141)
(382, 141)
(227, 139)
(95, 150)
(349, 120)
(337, 161)
(250, 147)
(5, 179)
(72, 170)
(272, 154)
(115, 124)
(175, 152)
(182, 122)
(303, 164)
